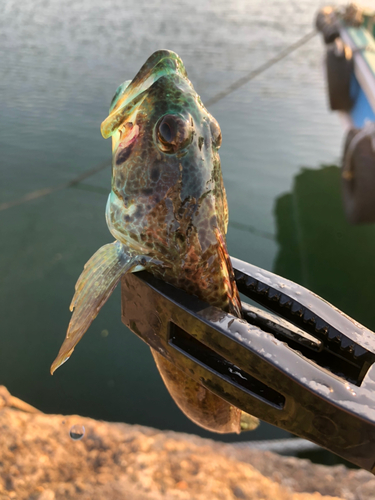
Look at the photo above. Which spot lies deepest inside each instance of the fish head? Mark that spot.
(166, 175)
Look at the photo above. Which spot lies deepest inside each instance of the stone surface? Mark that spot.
(39, 461)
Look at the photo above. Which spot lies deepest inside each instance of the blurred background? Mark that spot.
(61, 63)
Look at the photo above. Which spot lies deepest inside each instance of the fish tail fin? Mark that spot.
(93, 288)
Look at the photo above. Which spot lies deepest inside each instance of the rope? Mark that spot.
(283, 446)
(263, 67)
(234, 86)
(252, 229)
(43, 192)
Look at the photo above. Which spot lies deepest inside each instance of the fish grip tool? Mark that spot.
(304, 366)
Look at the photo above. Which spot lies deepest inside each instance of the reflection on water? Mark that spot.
(320, 250)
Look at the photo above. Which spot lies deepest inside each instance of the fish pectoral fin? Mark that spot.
(93, 288)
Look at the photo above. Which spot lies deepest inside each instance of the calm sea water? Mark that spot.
(60, 65)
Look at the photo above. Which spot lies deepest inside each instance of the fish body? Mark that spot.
(168, 213)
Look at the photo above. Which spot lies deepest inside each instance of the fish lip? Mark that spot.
(137, 90)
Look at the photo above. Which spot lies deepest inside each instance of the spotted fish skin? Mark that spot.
(168, 208)
(172, 204)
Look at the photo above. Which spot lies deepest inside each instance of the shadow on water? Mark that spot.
(320, 250)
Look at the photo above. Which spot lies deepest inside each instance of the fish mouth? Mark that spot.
(160, 63)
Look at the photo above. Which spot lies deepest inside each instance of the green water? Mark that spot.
(318, 249)
(60, 65)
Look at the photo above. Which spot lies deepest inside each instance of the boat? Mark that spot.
(348, 33)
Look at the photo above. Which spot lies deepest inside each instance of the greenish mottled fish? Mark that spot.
(168, 212)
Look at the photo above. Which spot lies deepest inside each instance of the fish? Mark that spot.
(168, 213)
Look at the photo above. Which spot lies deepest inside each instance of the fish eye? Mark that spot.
(172, 133)
(167, 130)
(215, 134)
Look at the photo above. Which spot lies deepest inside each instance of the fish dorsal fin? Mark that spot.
(160, 63)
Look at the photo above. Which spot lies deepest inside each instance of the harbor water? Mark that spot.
(61, 63)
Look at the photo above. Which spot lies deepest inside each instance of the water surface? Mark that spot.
(60, 65)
